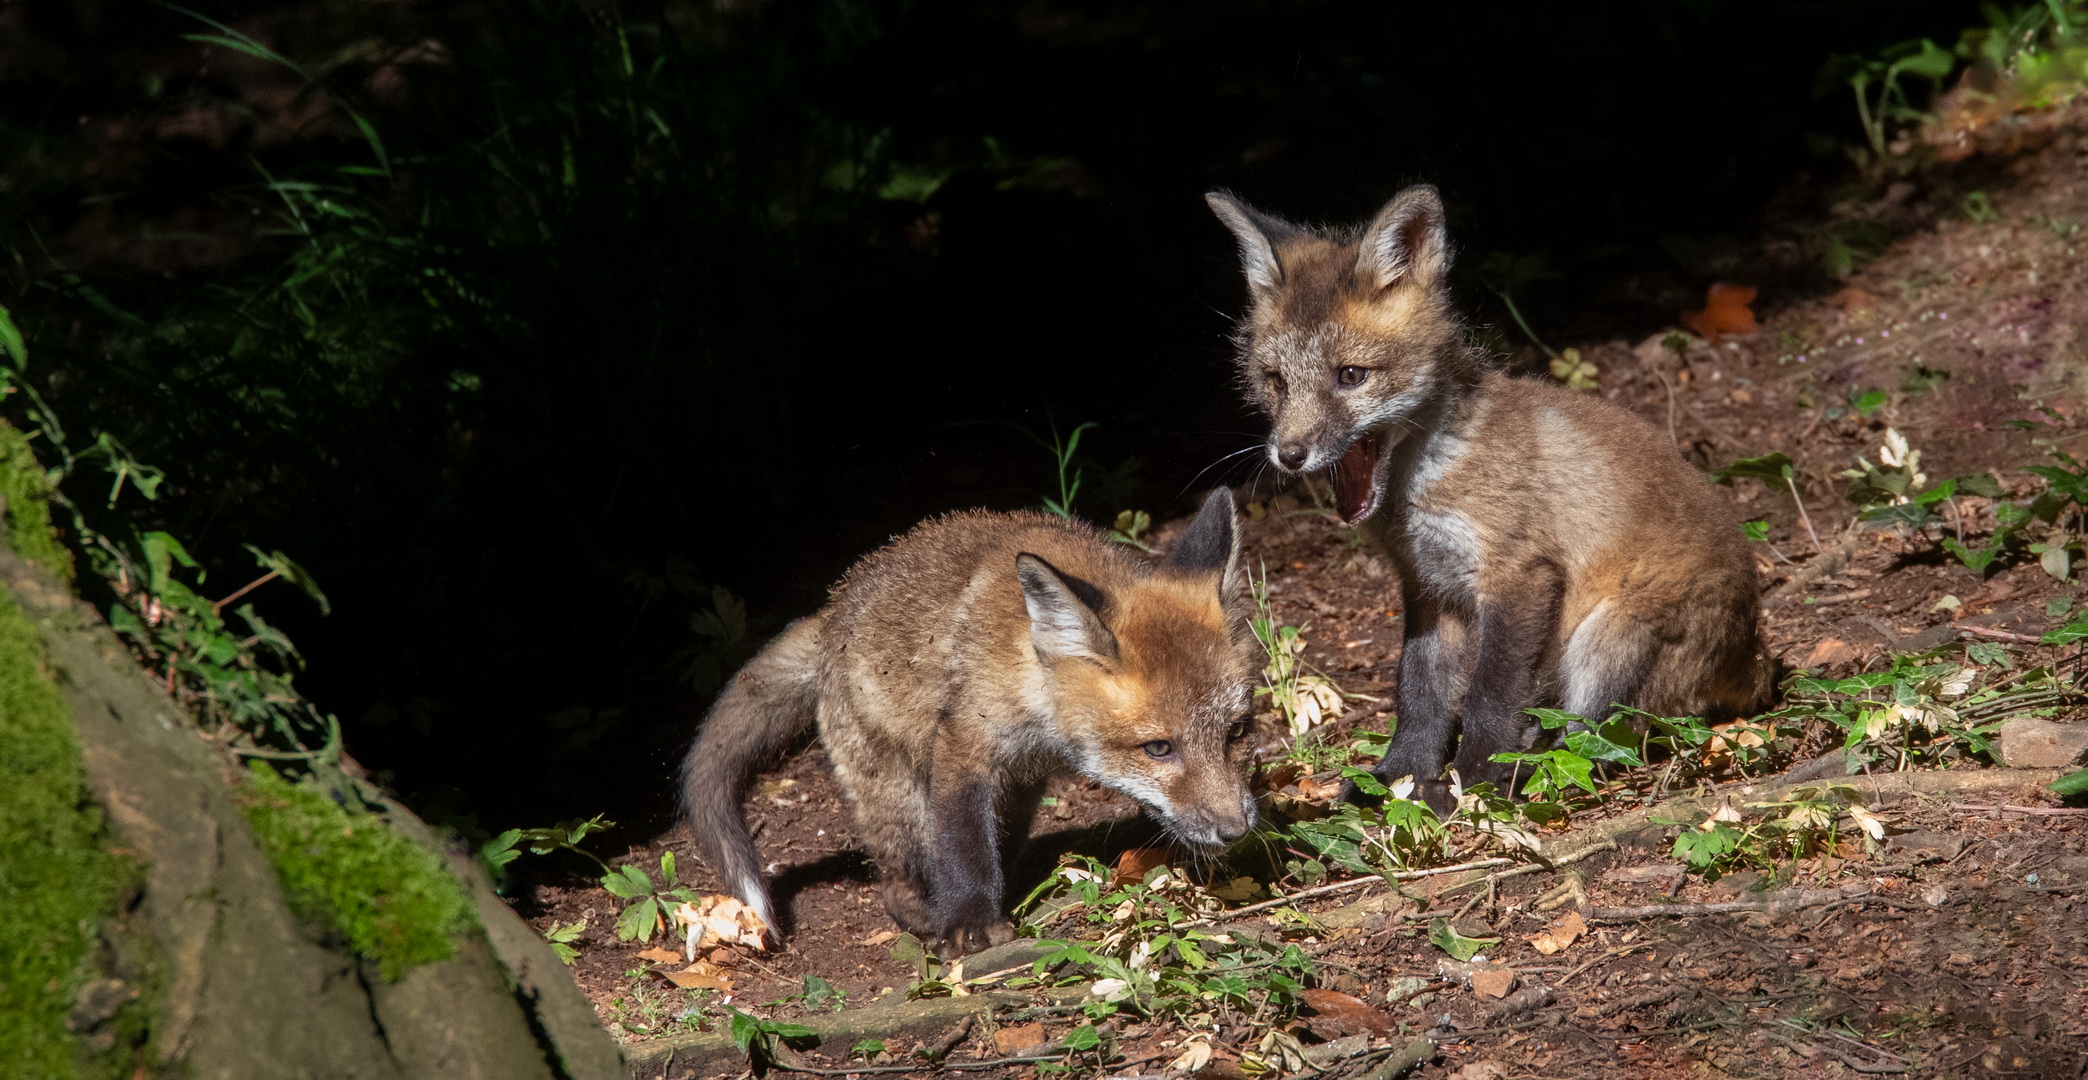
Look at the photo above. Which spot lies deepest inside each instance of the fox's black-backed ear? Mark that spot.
(1406, 242)
(1064, 613)
(1258, 234)
(1212, 542)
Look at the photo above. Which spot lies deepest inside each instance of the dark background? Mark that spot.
(636, 302)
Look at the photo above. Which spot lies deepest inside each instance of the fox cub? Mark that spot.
(957, 669)
(1553, 549)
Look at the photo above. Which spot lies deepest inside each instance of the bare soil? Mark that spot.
(1969, 958)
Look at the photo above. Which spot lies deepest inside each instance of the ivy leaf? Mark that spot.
(2072, 783)
(1460, 947)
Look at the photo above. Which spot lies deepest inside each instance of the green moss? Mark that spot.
(28, 497)
(389, 898)
(57, 878)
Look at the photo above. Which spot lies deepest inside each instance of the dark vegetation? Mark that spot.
(572, 347)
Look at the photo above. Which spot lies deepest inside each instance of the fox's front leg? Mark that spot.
(1434, 668)
(963, 858)
(1516, 628)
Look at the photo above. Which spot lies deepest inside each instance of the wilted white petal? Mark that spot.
(1109, 989)
(1869, 821)
(1403, 788)
(1894, 452)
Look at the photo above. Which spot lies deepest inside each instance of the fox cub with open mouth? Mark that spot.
(959, 668)
(1553, 549)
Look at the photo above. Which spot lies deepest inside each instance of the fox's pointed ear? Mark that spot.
(1407, 242)
(1064, 612)
(1258, 234)
(1212, 542)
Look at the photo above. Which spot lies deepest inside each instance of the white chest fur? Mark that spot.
(1440, 543)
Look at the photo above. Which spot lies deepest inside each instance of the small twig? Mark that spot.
(1998, 635)
(1344, 886)
(1852, 594)
(924, 1066)
(1610, 955)
(1803, 516)
(245, 589)
(2041, 811)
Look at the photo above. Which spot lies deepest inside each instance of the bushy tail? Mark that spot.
(770, 703)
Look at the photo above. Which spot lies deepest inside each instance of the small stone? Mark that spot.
(2027, 742)
(1403, 988)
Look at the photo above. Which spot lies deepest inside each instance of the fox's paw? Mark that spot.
(968, 939)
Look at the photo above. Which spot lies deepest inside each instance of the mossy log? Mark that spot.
(222, 979)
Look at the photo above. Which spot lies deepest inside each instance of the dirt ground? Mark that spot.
(1971, 956)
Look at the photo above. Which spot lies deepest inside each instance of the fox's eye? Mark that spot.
(1351, 375)
(1237, 731)
(1275, 382)
(1159, 748)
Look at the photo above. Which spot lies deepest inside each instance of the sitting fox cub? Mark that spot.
(960, 667)
(1553, 549)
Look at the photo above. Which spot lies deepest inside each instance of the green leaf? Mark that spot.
(1988, 654)
(867, 1048)
(500, 850)
(1460, 947)
(1755, 530)
(1911, 514)
(667, 868)
(745, 1029)
(1868, 402)
(12, 346)
(2071, 783)
(1979, 484)
(628, 883)
(638, 921)
(1773, 468)
(1084, 1037)
(1701, 849)
(1365, 781)
(2068, 634)
(1976, 559)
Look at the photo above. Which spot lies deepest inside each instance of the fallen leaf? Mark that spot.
(660, 956)
(1725, 311)
(1493, 983)
(1239, 888)
(699, 976)
(1563, 931)
(1314, 789)
(1015, 1039)
(1829, 651)
(880, 937)
(1135, 863)
(1335, 1014)
(1481, 1070)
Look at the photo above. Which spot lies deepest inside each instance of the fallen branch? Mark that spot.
(1518, 1003)
(2040, 811)
(1997, 635)
(1344, 886)
(1604, 958)
(1789, 901)
(1410, 1057)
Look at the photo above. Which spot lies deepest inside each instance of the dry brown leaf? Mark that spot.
(1563, 932)
(1337, 1015)
(880, 937)
(699, 976)
(1725, 311)
(1016, 1038)
(660, 956)
(1829, 651)
(1313, 789)
(1853, 300)
(1493, 982)
(1135, 863)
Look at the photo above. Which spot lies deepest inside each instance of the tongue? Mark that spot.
(1355, 475)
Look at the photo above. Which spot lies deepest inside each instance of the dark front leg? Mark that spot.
(1018, 812)
(963, 861)
(1434, 668)
(1517, 628)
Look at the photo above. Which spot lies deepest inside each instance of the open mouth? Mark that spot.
(1356, 489)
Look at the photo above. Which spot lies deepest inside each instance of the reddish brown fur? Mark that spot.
(1553, 548)
(953, 672)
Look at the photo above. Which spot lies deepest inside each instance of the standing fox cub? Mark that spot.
(959, 668)
(1553, 549)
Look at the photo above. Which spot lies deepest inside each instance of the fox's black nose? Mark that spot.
(1293, 455)
(1231, 829)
